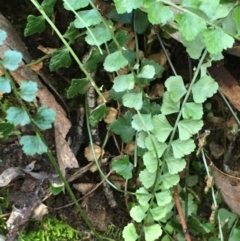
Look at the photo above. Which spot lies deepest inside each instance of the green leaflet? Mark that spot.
(98, 35)
(190, 25)
(17, 116)
(124, 6)
(33, 145)
(28, 90)
(87, 18)
(182, 148)
(157, 12)
(168, 105)
(123, 82)
(44, 117)
(142, 122)
(187, 128)
(130, 233)
(78, 86)
(175, 87)
(5, 85)
(60, 58)
(3, 36)
(34, 25)
(115, 61)
(11, 59)
(211, 39)
(152, 232)
(137, 213)
(162, 128)
(123, 167)
(122, 126)
(206, 87)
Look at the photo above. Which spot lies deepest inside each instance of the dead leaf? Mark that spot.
(46, 50)
(202, 141)
(159, 57)
(216, 150)
(84, 187)
(20, 216)
(227, 84)
(36, 67)
(103, 6)
(40, 211)
(229, 187)
(232, 128)
(106, 97)
(9, 174)
(112, 114)
(120, 182)
(156, 92)
(129, 148)
(99, 152)
(15, 172)
(235, 50)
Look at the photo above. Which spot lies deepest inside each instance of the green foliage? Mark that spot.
(115, 61)
(123, 167)
(3, 36)
(122, 126)
(163, 130)
(32, 145)
(78, 86)
(98, 114)
(11, 59)
(28, 90)
(60, 58)
(16, 116)
(36, 24)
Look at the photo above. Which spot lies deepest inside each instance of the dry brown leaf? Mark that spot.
(118, 181)
(124, 70)
(112, 114)
(84, 187)
(103, 6)
(99, 152)
(46, 50)
(235, 50)
(22, 210)
(227, 84)
(232, 128)
(129, 148)
(106, 97)
(36, 67)
(159, 57)
(40, 211)
(229, 187)
(156, 92)
(216, 150)
(14, 172)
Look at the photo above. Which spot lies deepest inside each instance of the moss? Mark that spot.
(52, 229)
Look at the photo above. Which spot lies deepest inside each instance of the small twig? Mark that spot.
(164, 49)
(95, 188)
(73, 177)
(180, 212)
(5, 215)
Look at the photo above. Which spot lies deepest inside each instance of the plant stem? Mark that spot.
(187, 95)
(51, 157)
(81, 66)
